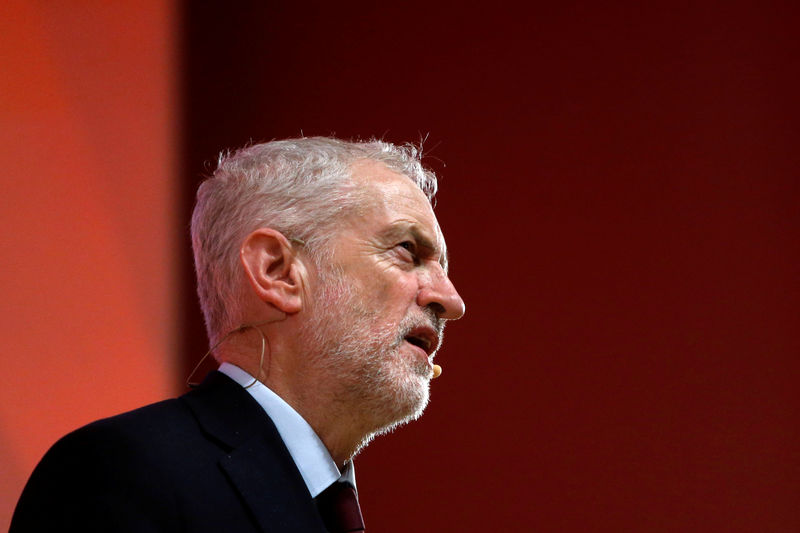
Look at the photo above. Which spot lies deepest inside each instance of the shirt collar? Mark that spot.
(312, 458)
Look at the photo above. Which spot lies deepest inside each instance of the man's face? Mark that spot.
(379, 308)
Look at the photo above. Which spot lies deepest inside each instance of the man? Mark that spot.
(322, 274)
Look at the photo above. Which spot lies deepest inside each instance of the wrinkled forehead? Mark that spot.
(399, 207)
(439, 246)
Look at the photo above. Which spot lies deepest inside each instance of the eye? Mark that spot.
(409, 251)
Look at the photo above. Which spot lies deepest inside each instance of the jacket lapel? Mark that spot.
(253, 456)
(272, 488)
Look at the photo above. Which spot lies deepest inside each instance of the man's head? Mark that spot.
(372, 292)
(300, 187)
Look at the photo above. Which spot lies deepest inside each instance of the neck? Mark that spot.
(339, 427)
(335, 421)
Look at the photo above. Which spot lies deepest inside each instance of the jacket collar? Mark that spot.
(253, 456)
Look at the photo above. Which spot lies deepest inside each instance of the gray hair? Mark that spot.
(299, 187)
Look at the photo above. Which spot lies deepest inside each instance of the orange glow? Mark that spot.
(86, 133)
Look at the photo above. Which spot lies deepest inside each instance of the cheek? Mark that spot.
(398, 293)
(389, 296)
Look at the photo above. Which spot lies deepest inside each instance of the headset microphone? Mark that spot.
(437, 371)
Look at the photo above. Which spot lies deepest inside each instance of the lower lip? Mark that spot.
(422, 353)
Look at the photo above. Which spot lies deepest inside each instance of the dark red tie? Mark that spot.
(339, 508)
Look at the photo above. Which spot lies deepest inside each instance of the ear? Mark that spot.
(273, 269)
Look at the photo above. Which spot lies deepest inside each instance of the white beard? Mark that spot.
(360, 353)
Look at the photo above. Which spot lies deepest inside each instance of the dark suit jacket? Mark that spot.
(210, 460)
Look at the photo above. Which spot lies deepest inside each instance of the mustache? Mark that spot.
(426, 317)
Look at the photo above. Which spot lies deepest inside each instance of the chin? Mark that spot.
(405, 400)
(401, 402)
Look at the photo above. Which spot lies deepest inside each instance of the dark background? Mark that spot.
(619, 191)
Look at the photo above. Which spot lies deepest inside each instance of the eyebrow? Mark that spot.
(398, 231)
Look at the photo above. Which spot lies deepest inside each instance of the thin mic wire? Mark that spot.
(243, 327)
(261, 361)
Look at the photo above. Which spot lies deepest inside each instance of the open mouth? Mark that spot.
(424, 338)
(417, 341)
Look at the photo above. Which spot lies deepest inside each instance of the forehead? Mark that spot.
(396, 207)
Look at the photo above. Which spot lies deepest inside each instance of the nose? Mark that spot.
(440, 294)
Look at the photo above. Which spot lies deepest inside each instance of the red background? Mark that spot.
(619, 191)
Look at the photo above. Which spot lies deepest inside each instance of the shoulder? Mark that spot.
(102, 476)
(150, 469)
(167, 427)
(137, 433)
(164, 435)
